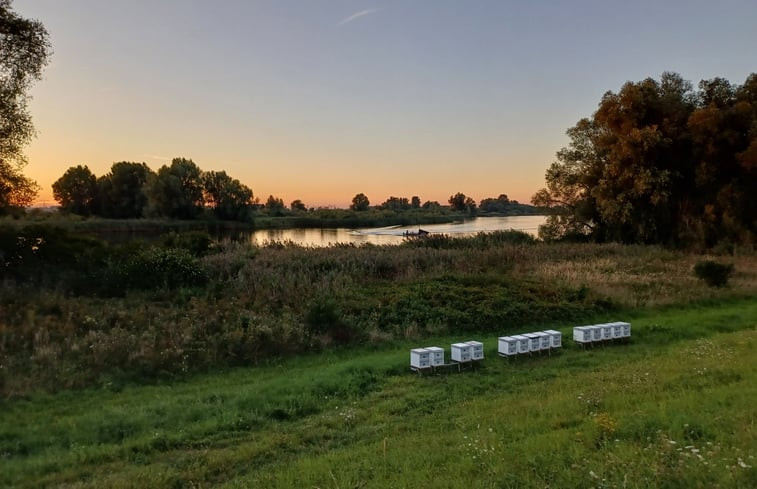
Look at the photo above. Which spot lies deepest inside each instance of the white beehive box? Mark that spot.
(582, 334)
(477, 350)
(606, 331)
(545, 340)
(626, 330)
(596, 332)
(461, 352)
(524, 343)
(617, 330)
(534, 341)
(420, 358)
(507, 345)
(555, 338)
(436, 355)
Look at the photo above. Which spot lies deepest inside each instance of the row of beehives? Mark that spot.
(433, 356)
(529, 342)
(601, 332)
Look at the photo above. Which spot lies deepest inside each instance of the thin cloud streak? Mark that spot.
(358, 15)
(157, 157)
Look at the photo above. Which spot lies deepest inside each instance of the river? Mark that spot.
(393, 234)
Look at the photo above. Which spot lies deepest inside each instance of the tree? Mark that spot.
(415, 202)
(360, 202)
(396, 204)
(24, 51)
(470, 205)
(297, 205)
(121, 193)
(500, 204)
(176, 191)
(457, 201)
(274, 205)
(76, 190)
(659, 163)
(226, 196)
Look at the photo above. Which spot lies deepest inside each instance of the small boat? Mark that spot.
(420, 234)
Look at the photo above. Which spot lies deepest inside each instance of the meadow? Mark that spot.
(673, 408)
(78, 313)
(184, 363)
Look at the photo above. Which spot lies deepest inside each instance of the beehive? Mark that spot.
(436, 355)
(523, 343)
(545, 340)
(477, 350)
(534, 341)
(596, 332)
(507, 345)
(617, 330)
(626, 329)
(420, 358)
(606, 331)
(582, 334)
(461, 352)
(555, 338)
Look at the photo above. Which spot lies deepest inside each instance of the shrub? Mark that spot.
(197, 243)
(713, 273)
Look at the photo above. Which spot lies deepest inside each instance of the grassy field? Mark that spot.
(76, 314)
(674, 408)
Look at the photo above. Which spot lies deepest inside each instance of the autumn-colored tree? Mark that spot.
(658, 163)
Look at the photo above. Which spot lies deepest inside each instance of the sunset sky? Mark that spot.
(319, 100)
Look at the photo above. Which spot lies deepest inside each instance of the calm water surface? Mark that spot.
(393, 234)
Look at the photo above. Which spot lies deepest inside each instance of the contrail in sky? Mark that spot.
(358, 15)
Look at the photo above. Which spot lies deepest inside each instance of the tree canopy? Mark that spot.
(226, 196)
(659, 162)
(460, 202)
(76, 190)
(176, 191)
(360, 202)
(24, 51)
(121, 192)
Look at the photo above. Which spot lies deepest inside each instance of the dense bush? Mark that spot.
(713, 273)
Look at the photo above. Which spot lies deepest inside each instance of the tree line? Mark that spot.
(659, 162)
(182, 190)
(458, 202)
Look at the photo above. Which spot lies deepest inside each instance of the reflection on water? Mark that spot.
(393, 234)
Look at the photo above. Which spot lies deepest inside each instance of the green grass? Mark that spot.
(673, 408)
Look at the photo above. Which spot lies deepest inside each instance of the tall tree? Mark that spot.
(360, 202)
(121, 193)
(226, 196)
(176, 191)
(657, 163)
(76, 190)
(24, 51)
(298, 205)
(396, 204)
(274, 205)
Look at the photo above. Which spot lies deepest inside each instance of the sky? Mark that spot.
(320, 100)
